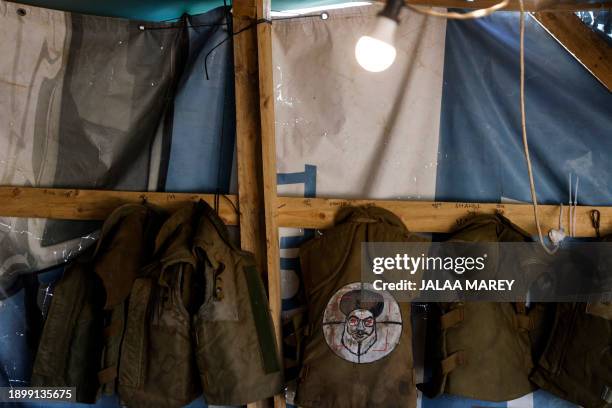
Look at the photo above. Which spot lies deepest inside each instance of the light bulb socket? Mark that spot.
(392, 10)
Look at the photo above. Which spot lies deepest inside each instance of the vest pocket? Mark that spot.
(133, 347)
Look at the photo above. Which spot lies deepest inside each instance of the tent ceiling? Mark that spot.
(157, 10)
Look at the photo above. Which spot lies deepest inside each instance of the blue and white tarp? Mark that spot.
(443, 123)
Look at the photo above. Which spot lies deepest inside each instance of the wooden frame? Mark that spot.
(529, 5)
(419, 216)
(593, 52)
(259, 211)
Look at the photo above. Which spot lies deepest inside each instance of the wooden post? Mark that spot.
(248, 133)
(256, 149)
(268, 155)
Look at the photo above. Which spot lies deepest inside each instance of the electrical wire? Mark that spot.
(460, 16)
(534, 198)
(575, 207)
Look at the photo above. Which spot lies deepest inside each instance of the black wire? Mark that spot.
(253, 24)
(228, 19)
(257, 22)
(188, 26)
(228, 24)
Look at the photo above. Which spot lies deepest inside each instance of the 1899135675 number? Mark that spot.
(22, 394)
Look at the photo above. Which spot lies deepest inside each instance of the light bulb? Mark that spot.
(375, 52)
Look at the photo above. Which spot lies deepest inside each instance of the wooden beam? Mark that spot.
(419, 216)
(248, 134)
(530, 5)
(71, 204)
(252, 181)
(429, 216)
(592, 51)
(268, 154)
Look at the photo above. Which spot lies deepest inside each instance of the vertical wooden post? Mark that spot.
(248, 134)
(256, 151)
(268, 155)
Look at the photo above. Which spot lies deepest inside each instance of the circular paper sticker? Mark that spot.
(360, 324)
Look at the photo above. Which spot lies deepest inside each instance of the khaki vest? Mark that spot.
(236, 348)
(160, 315)
(82, 335)
(358, 348)
(157, 366)
(577, 361)
(481, 350)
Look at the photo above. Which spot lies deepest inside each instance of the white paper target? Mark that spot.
(362, 325)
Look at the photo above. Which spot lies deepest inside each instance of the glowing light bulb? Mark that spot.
(375, 52)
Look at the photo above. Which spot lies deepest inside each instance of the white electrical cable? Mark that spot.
(460, 16)
(571, 216)
(575, 207)
(558, 235)
(534, 198)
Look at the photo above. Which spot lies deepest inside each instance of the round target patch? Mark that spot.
(360, 324)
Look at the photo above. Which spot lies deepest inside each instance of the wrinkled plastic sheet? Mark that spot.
(80, 102)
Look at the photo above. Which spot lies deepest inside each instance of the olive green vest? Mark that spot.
(358, 346)
(481, 350)
(157, 366)
(577, 361)
(161, 315)
(82, 335)
(236, 349)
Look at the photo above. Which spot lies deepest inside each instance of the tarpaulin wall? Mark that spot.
(99, 102)
(442, 123)
(399, 148)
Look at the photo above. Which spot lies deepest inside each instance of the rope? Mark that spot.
(534, 198)
(460, 16)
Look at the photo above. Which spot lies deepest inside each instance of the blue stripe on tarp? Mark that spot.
(543, 399)
(569, 117)
(291, 265)
(203, 133)
(449, 401)
(308, 177)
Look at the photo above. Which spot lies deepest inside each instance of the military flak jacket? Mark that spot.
(482, 350)
(358, 347)
(161, 315)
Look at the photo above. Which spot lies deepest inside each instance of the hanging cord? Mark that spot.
(534, 198)
(460, 16)
(322, 15)
(575, 207)
(230, 28)
(558, 235)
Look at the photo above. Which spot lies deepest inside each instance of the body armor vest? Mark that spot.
(482, 350)
(577, 361)
(358, 346)
(161, 316)
(82, 335)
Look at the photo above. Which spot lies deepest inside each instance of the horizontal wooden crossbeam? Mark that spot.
(434, 216)
(419, 216)
(72, 204)
(529, 5)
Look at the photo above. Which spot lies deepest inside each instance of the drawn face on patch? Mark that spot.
(360, 324)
